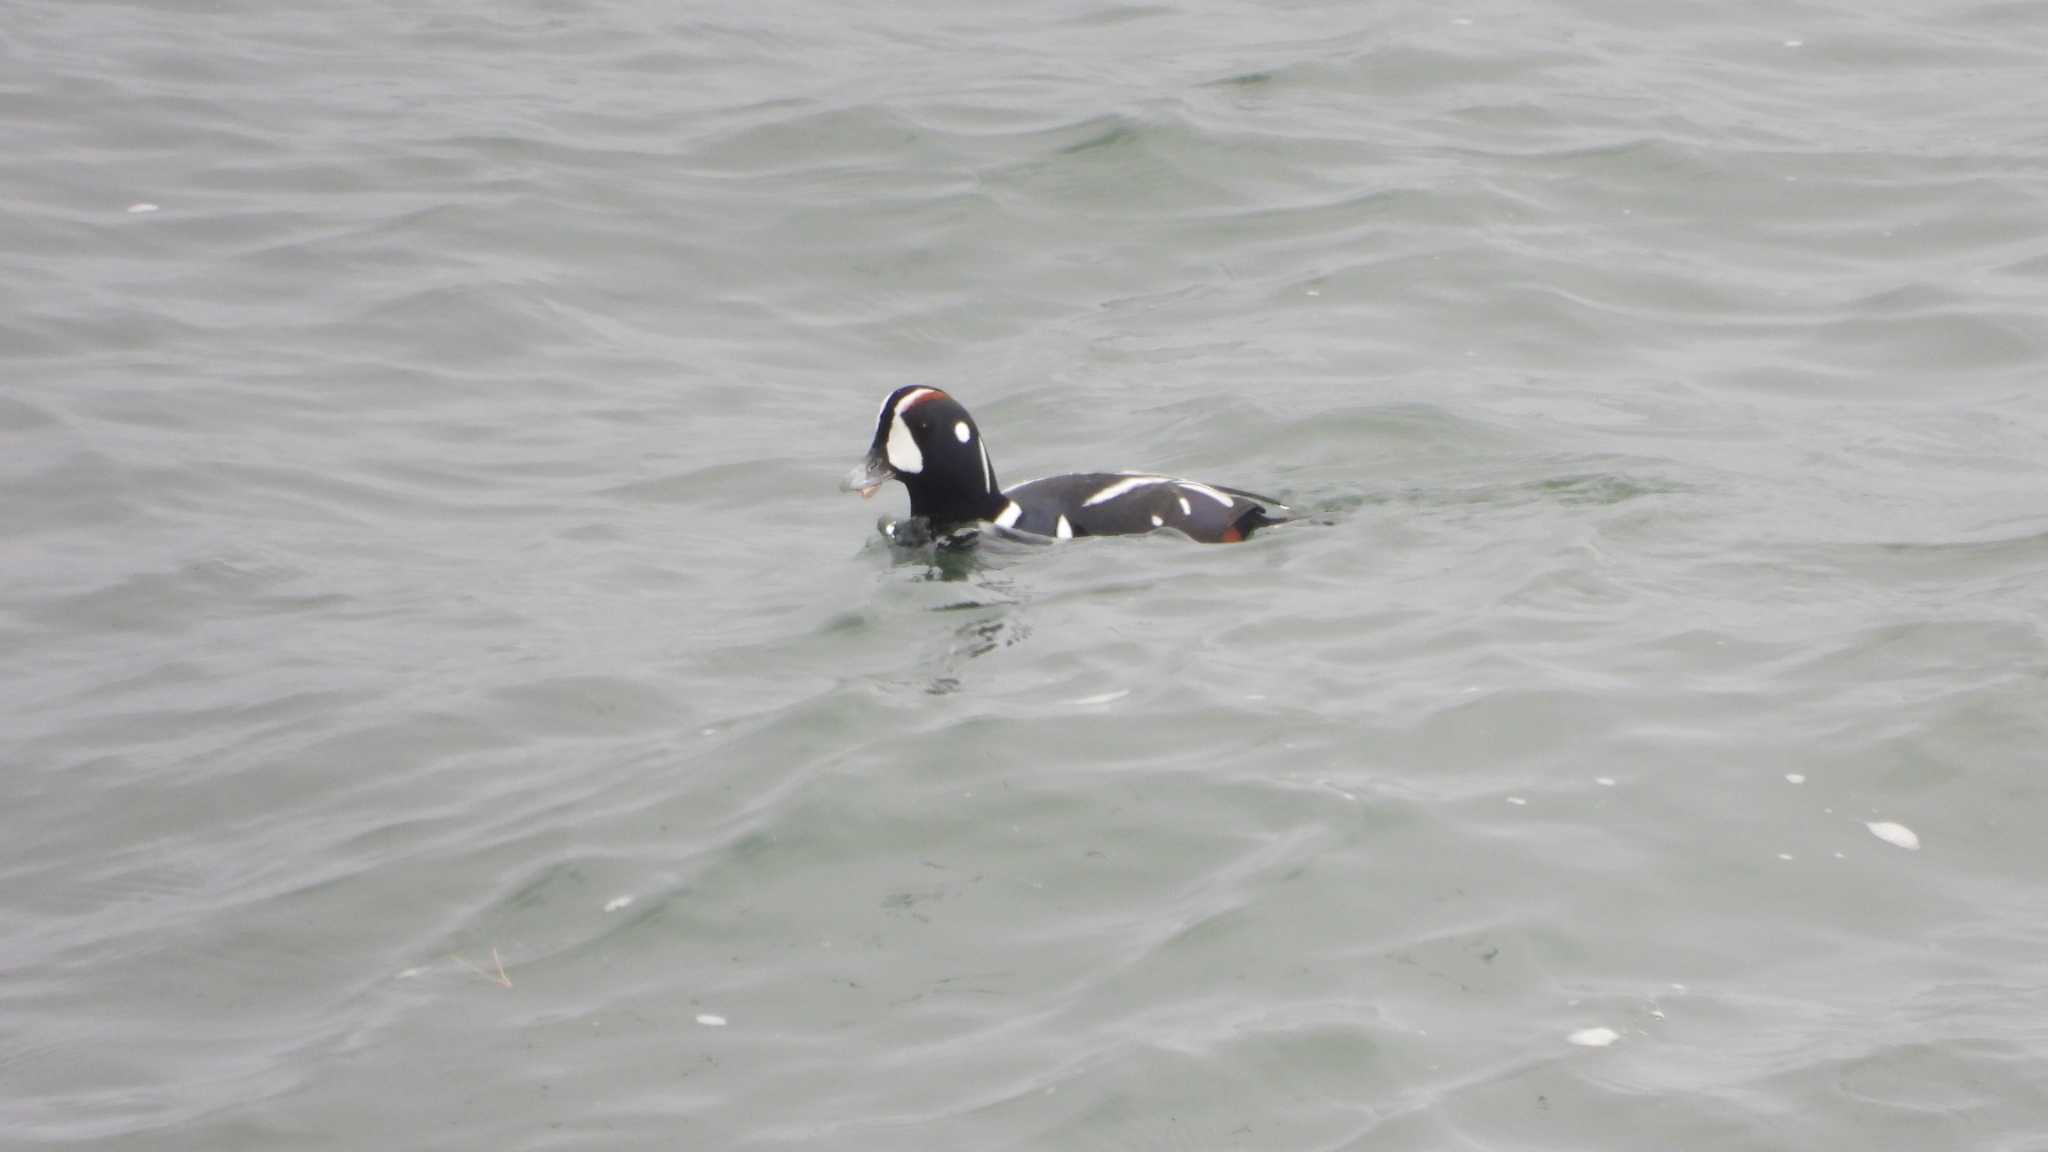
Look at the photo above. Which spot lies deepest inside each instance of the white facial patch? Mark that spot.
(1010, 514)
(962, 432)
(1122, 486)
(904, 454)
(1063, 530)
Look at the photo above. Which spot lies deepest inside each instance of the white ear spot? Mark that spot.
(1186, 509)
(962, 432)
(1158, 523)
(904, 454)
(1063, 530)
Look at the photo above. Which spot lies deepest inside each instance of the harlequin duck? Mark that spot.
(924, 438)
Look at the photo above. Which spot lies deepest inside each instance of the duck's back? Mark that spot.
(1121, 503)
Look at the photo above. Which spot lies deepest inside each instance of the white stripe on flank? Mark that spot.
(1205, 490)
(1122, 486)
(1010, 514)
(1064, 530)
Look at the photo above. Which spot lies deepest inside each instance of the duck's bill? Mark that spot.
(867, 476)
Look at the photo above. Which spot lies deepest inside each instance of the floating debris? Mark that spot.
(1892, 833)
(500, 979)
(1594, 1037)
(617, 902)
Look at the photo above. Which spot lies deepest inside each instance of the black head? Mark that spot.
(924, 438)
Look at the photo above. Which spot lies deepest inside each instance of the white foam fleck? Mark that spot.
(1657, 1013)
(1339, 791)
(1795, 43)
(1795, 778)
(710, 1021)
(1784, 855)
(1104, 698)
(1594, 1037)
(1892, 833)
(1517, 801)
(139, 209)
(1604, 781)
(1315, 291)
(617, 902)
(411, 973)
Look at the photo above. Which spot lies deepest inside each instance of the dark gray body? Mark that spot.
(1119, 503)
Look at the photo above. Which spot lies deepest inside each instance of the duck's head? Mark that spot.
(924, 438)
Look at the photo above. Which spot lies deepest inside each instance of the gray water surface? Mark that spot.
(448, 706)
